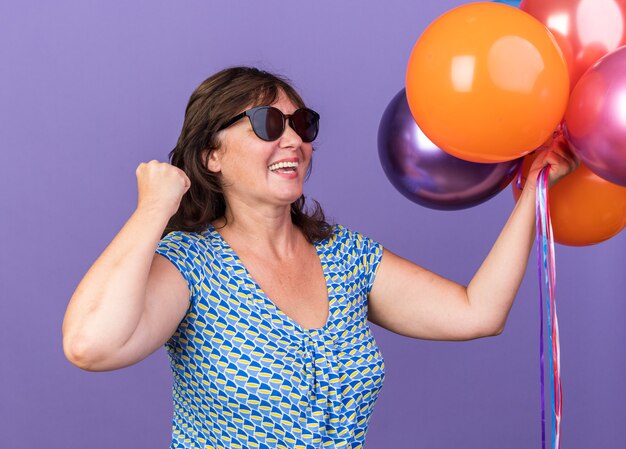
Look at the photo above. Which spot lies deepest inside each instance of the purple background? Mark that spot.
(89, 89)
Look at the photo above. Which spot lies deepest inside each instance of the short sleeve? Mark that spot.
(180, 249)
(363, 256)
(370, 254)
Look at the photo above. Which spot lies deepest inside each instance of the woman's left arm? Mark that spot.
(410, 300)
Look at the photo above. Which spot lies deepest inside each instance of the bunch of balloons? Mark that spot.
(489, 84)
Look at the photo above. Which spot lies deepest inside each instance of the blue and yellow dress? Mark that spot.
(248, 376)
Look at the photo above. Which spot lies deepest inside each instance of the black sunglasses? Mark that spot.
(268, 122)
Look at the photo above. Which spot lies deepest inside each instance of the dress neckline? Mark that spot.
(271, 304)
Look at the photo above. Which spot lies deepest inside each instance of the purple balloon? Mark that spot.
(595, 121)
(429, 176)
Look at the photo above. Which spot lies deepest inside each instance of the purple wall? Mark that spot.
(89, 89)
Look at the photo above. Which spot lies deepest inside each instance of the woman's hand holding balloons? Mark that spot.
(160, 186)
(585, 209)
(557, 154)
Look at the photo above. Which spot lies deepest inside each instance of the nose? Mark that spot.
(290, 138)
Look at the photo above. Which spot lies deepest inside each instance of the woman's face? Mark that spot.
(248, 165)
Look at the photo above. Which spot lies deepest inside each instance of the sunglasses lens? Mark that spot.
(306, 124)
(268, 123)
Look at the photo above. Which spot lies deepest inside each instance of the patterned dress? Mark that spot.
(248, 376)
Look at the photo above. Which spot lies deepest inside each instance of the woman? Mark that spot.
(263, 308)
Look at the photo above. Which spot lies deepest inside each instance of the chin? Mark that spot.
(289, 198)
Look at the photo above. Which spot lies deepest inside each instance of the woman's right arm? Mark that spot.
(131, 300)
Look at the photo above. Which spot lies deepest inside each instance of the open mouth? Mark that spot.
(284, 167)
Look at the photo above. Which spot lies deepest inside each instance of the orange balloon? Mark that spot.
(585, 209)
(486, 82)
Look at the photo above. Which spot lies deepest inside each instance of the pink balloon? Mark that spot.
(595, 120)
(585, 30)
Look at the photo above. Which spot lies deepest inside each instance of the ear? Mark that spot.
(212, 160)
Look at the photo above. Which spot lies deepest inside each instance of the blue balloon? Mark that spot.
(514, 3)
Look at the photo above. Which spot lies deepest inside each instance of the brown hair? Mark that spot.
(212, 104)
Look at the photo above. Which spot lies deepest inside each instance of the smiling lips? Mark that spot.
(284, 167)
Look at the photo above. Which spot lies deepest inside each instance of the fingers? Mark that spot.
(161, 186)
(161, 168)
(558, 155)
(562, 161)
(563, 156)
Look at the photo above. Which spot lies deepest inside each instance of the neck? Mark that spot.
(266, 229)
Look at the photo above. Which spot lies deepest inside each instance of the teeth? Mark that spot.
(283, 165)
